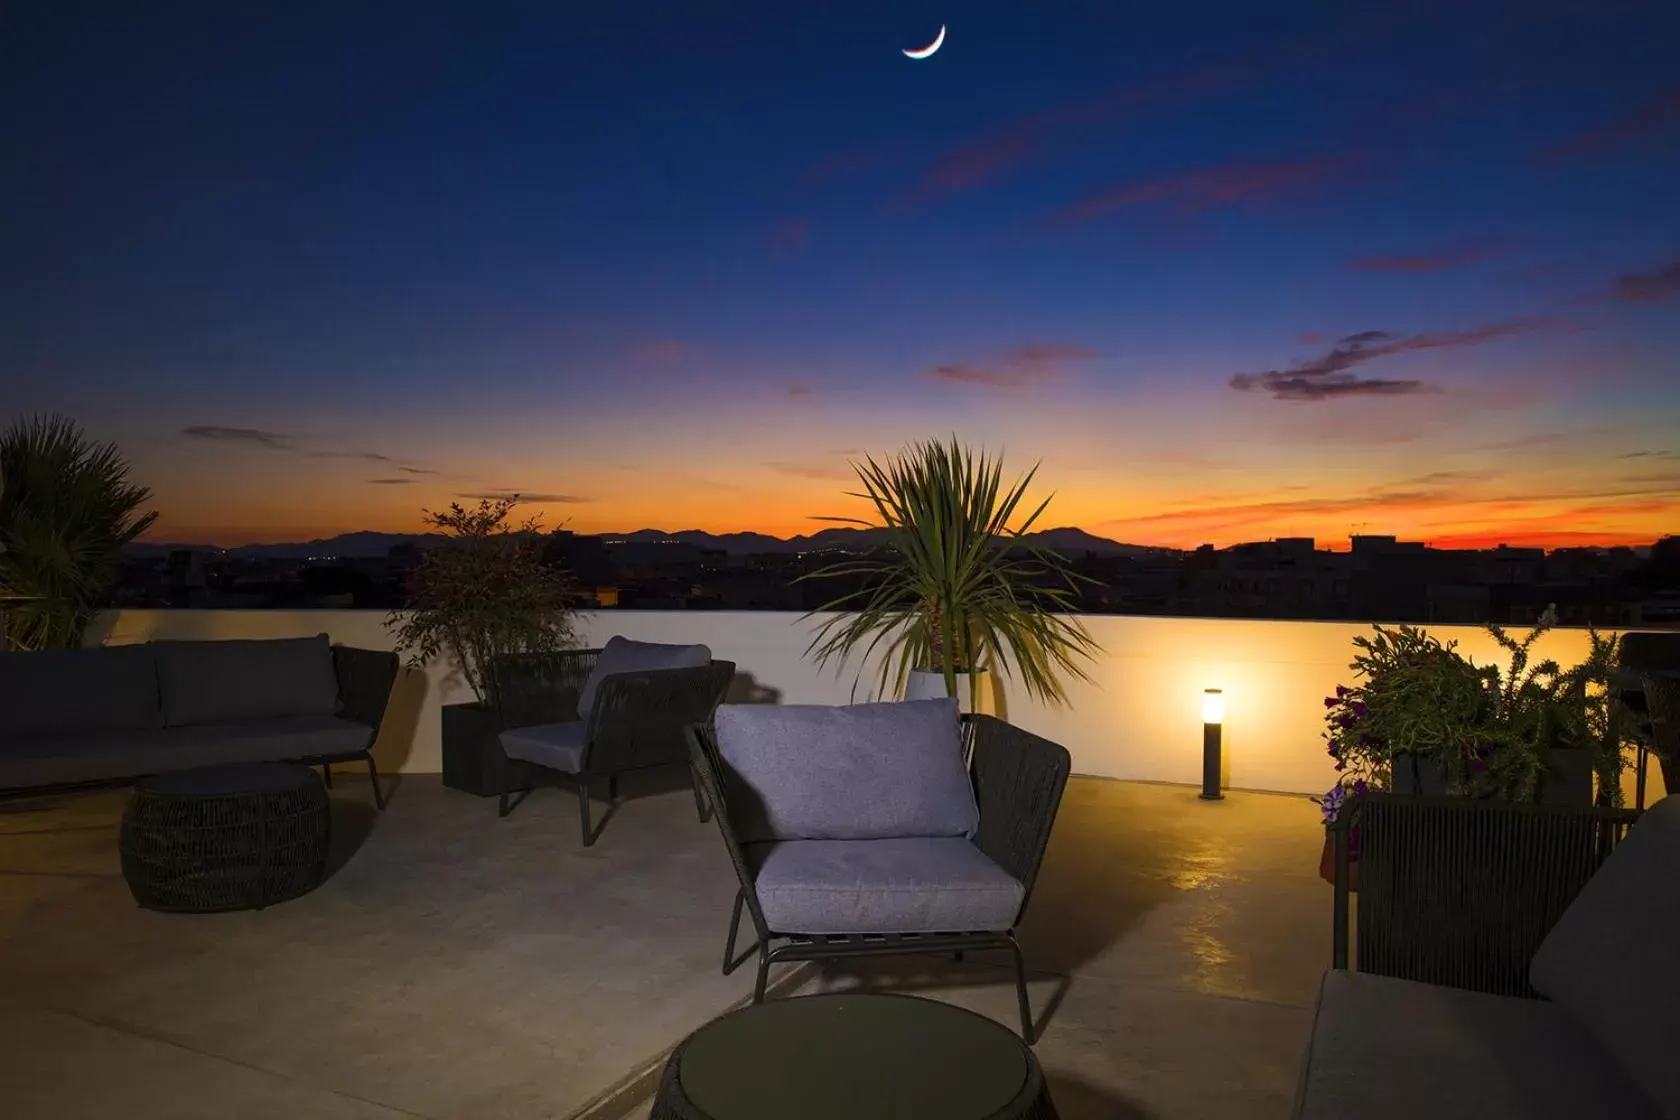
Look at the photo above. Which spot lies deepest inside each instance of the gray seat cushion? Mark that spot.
(862, 772)
(115, 755)
(1613, 959)
(902, 885)
(1383, 1048)
(558, 746)
(245, 680)
(68, 692)
(621, 655)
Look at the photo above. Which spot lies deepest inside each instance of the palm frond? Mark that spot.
(67, 510)
(953, 587)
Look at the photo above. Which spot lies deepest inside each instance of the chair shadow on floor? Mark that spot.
(353, 821)
(1080, 1100)
(929, 973)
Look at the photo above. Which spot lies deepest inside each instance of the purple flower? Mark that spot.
(1340, 765)
(1361, 787)
(1341, 691)
(1330, 701)
(1359, 709)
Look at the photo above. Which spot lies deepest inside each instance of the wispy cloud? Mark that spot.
(1650, 455)
(1209, 188)
(1647, 287)
(282, 441)
(1429, 262)
(832, 472)
(258, 437)
(536, 497)
(800, 388)
(391, 482)
(662, 350)
(1005, 149)
(1385, 504)
(1657, 115)
(789, 237)
(1013, 369)
(362, 456)
(1330, 375)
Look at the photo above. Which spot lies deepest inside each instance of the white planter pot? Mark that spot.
(924, 685)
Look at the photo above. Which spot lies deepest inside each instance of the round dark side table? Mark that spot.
(845, 1056)
(225, 837)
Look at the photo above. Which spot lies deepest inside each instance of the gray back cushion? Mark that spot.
(1613, 959)
(111, 688)
(228, 682)
(864, 772)
(621, 655)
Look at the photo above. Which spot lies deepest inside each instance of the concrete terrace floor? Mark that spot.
(460, 967)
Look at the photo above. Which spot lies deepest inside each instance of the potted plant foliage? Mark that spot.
(67, 510)
(954, 592)
(1423, 718)
(484, 591)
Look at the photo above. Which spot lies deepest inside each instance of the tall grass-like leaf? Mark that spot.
(955, 587)
(67, 510)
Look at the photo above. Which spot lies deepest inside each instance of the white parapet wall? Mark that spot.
(1138, 718)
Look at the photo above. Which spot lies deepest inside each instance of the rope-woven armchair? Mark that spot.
(1017, 781)
(1461, 892)
(631, 721)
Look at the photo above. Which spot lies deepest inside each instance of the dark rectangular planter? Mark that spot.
(473, 761)
(1569, 779)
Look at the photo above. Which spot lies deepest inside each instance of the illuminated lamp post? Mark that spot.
(1213, 746)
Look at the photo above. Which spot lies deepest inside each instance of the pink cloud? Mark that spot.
(1209, 188)
(1330, 376)
(790, 236)
(1434, 262)
(1031, 364)
(1657, 115)
(663, 350)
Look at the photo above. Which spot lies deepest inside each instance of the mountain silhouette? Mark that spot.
(369, 545)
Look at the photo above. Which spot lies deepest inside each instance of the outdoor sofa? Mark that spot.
(116, 713)
(879, 829)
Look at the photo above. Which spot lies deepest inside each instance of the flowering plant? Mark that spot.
(1487, 728)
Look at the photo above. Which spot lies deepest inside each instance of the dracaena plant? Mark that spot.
(484, 591)
(67, 510)
(953, 586)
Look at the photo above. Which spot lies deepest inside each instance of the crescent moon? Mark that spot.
(927, 51)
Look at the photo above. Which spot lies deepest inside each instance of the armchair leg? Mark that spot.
(373, 776)
(326, 774)
(763, 973)
(1021, 992)
(583, 810)
(734, 928)
(701, 805)
(502, 807)
(612, 787)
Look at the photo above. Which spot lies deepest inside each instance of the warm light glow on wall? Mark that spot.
(1213, 706)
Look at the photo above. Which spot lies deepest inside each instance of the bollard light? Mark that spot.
(1213, 720)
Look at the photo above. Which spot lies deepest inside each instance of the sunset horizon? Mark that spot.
(1286, 272)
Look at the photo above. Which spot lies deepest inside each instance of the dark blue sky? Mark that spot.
(522, 246)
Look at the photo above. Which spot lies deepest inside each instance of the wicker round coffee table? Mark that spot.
(844, 1056)
(225, 837)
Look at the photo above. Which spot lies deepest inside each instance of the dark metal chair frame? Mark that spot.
(365, 680)
(637, 721)
(1018, 782)
(1461, 892)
